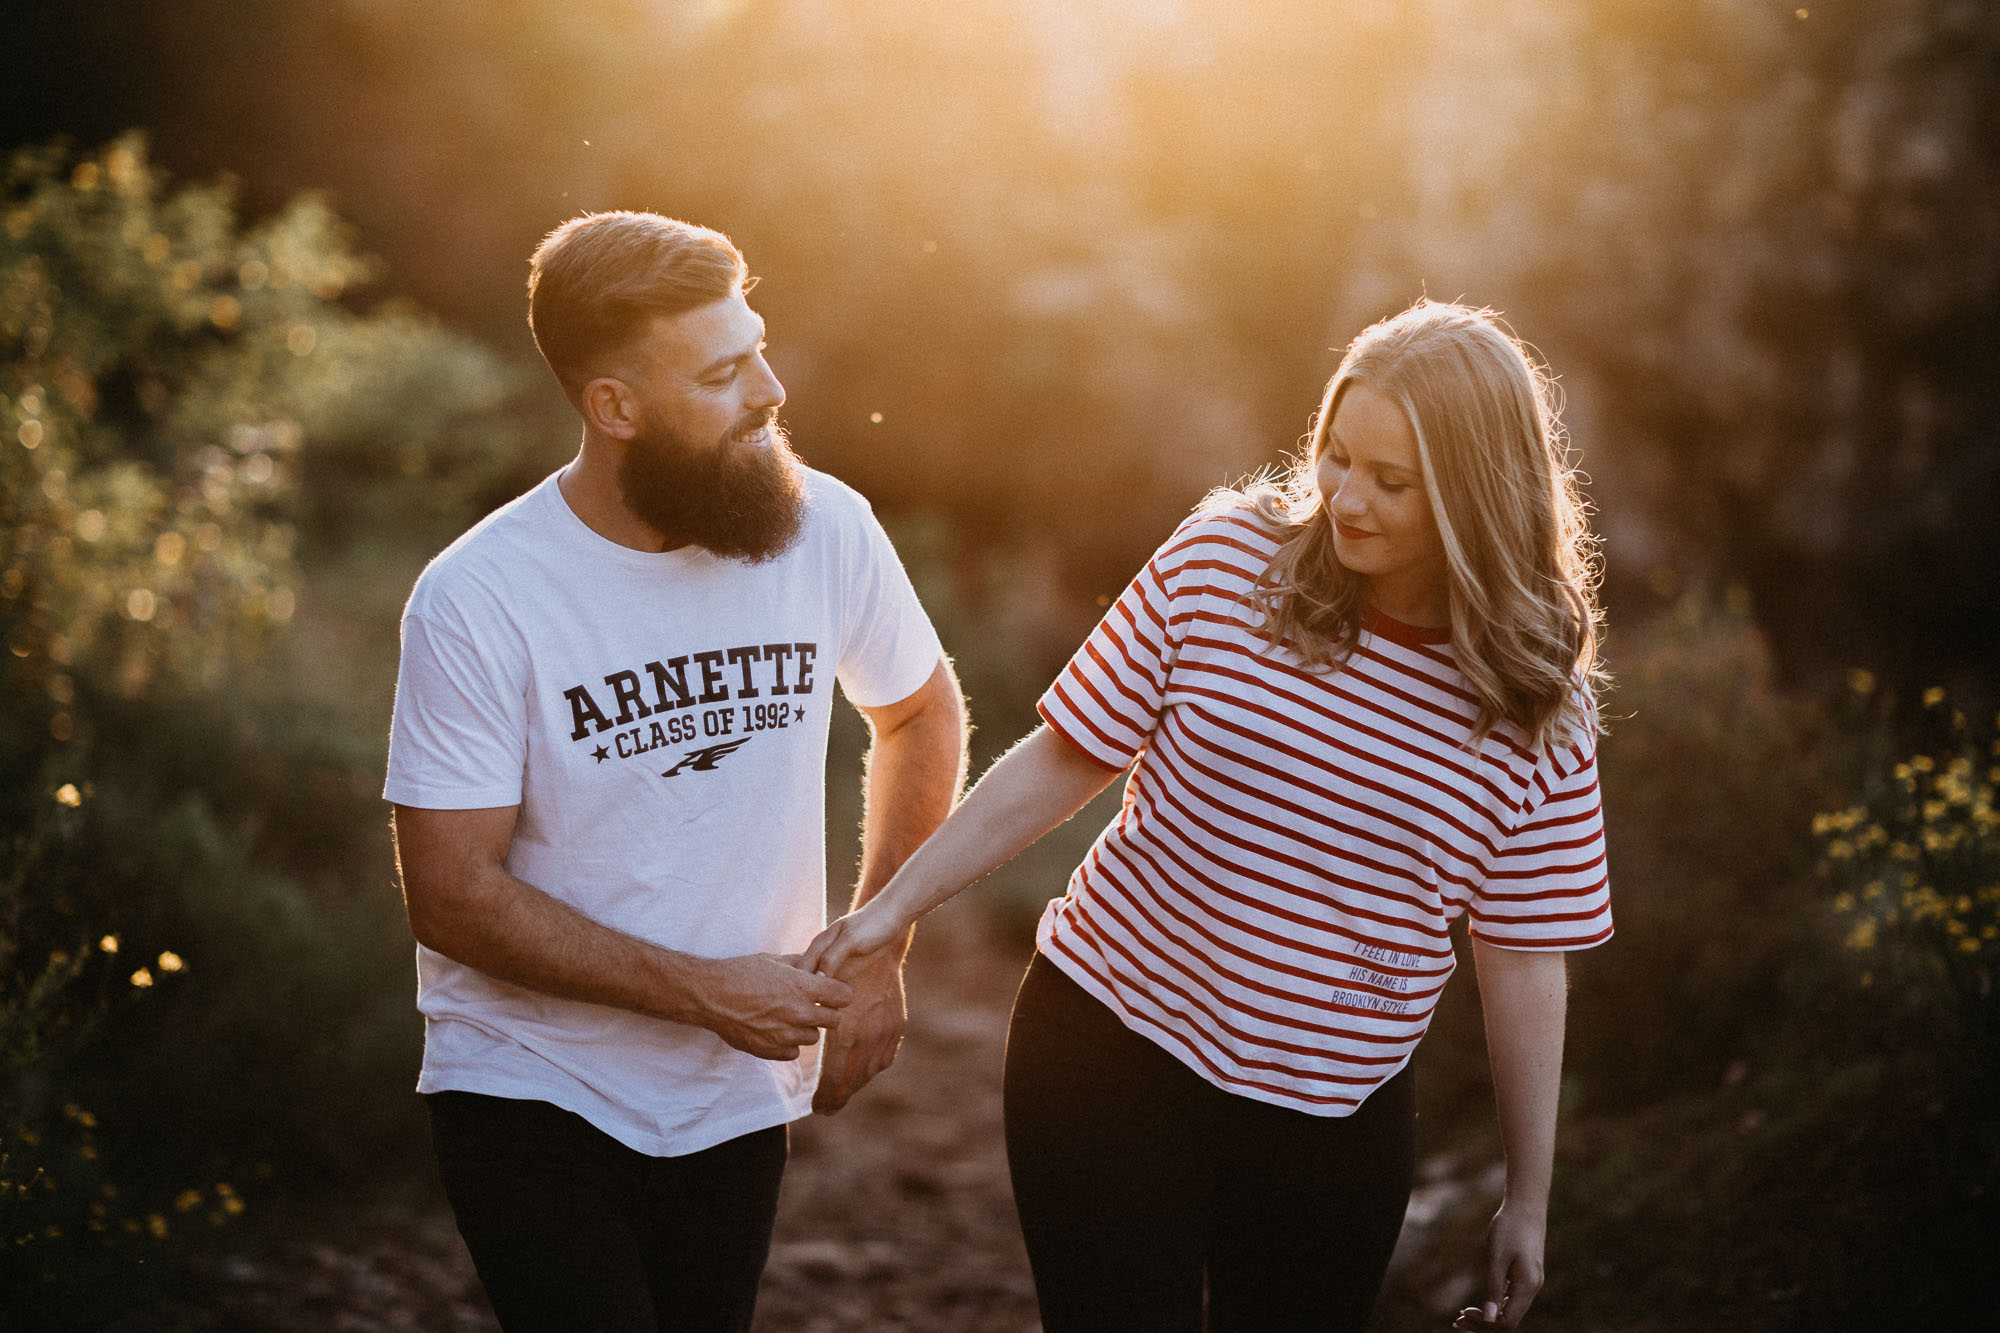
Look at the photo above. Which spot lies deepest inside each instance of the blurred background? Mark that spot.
(1038, 274)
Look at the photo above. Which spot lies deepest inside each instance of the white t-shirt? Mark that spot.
(661, 721)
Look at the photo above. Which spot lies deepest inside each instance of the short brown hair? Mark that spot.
(597, 277)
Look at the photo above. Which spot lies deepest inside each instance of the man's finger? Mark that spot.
(835, 1068)
(827, 990)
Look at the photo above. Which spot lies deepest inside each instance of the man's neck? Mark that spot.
(589, 485)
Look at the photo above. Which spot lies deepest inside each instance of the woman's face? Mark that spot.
(1371, 482)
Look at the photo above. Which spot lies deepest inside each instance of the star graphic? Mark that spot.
(798, 712)
(601, 753)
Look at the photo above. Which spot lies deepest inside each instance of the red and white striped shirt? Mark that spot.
(1273, 903)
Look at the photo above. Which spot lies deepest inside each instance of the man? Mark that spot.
(608, 767)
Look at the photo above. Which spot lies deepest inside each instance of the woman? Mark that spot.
(1354, 707)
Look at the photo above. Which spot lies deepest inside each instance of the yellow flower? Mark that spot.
(1968, 946)
(68, 795)
(1934, 696)
(1862, 936)
(109, 944)
(142, 978)
(171, 962)
(1861, 681)
(157, 1225)
(1922, 763)
(1843, 902)
(187, 1201)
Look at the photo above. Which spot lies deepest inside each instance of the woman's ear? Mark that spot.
(611, 408)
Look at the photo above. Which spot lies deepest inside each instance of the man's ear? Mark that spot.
(611, 408)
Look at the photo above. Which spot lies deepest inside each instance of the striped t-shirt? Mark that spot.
(1272, 904)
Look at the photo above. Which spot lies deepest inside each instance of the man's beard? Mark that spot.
(740, 502)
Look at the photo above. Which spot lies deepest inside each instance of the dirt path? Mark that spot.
(896, 1214)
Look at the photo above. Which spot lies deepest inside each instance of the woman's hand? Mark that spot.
(1513, 1271)
(852, 943)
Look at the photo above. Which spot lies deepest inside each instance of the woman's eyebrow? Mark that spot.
(1333, 438)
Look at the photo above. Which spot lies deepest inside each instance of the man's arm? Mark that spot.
(464, 904)
(1524, 993)
(915, 769)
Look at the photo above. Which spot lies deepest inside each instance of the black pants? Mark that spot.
(572, 1230)
(1141, 1186)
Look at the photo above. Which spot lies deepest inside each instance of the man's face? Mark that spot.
(710, 465)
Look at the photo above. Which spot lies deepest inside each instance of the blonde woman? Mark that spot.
(1354, 707)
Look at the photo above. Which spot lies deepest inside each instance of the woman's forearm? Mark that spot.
(1032, 788)
(1524, 994)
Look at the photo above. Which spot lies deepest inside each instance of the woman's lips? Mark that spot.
(1353, 534)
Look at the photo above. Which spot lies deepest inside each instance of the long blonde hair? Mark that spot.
(1521, 561)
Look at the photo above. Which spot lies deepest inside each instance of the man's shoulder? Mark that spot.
(487, 553)
(834, 498)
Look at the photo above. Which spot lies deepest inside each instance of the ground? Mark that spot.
(896, 1214)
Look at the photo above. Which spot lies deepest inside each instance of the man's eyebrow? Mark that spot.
(733, 357)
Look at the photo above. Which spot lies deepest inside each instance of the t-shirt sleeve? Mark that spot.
(891, 648)
(458, 737)
(1107, 701)
(1548, 888)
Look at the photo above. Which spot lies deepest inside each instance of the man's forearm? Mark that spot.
(465, 905)
(915, 771)
(515, 932)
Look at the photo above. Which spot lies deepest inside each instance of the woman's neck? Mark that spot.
(1420, 602)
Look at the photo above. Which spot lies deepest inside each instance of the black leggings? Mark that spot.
(1141, 1185)
(573, 1232)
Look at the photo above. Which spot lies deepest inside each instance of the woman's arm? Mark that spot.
(1034, 787)
(1524, 992)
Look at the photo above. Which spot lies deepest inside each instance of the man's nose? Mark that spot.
(767, 392)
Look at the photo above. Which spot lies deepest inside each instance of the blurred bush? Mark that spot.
(1755, 1127)
(1915, 868)
(203, 973)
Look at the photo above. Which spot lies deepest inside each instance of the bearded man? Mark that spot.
(608, 767)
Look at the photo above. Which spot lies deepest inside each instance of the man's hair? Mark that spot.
(595, 279)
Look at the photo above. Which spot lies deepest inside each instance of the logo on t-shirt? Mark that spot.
(706, 758)
(695, 697)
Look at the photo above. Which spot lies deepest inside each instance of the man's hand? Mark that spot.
(864, 1041)
(767, 1005)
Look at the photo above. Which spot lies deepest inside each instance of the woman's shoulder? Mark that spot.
(1232, 519)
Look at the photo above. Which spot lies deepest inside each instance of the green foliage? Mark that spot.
(1915, 868)
(198, 419)
(1708, 772)
(1758, 1133)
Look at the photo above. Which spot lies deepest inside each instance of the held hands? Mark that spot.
(865, 947)
(770, 1005)
(1513, 1271)
(851, 944)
